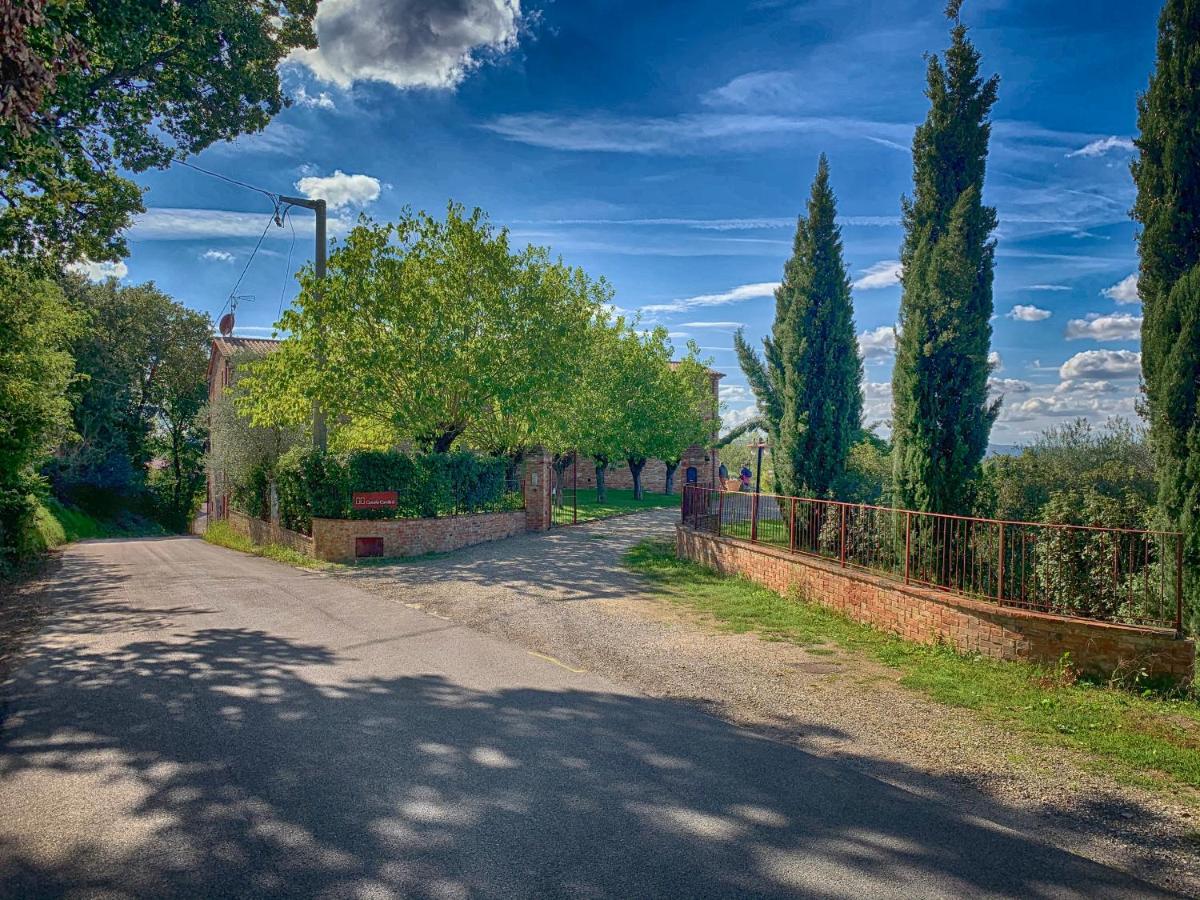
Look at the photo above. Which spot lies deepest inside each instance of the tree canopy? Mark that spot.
(810, 385)
(427, 329)
(93, 88)
(942, 418)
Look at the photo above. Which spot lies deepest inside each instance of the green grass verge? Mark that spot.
(221, 534)
(1147, 739)
(616, 503)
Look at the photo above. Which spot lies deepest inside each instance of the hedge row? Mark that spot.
(310, 483)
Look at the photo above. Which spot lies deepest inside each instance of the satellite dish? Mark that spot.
(226, 324)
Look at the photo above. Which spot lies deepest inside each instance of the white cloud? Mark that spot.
(409, 43)
(1086, 388)
(1023, 313)
(995, 361)
(739, 293)
(1008, 386)
(1103, 145)
(735, 393)
(878, 343)
(732, 418)
(217, 256)
(1093, 364)
(1097, 327)
(882, 274)
(340, 189)
(1048, 287)
(688, 133)
(320, 100)
(99, 271)
(1124, 291)
(718, 325)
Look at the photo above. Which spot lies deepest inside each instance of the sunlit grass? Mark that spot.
(616, 502)
(220, 533)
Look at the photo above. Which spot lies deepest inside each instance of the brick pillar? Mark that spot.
(537, 489)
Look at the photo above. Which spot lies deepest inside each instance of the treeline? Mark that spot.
(432, 335)
(808, 380)
(98, 384)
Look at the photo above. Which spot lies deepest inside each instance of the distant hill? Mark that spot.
(1003, 449)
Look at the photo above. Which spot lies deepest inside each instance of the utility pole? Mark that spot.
(320, 434)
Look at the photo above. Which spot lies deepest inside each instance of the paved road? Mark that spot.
(192, 722)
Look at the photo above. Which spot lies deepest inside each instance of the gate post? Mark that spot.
(538, 484)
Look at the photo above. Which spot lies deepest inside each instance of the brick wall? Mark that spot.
(654, 475)
(335, 539)
(928, 616)
(265, 533)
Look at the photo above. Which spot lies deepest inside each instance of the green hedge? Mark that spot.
(311, 484)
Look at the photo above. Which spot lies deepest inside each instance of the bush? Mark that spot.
(310, 483)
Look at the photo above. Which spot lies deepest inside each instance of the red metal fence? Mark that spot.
(1104, 574)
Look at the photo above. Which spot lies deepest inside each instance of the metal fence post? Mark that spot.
(753, 518)
(1179, 585)
(792, 528)
(1000, 568)
(575, 488)
(907, 543)
(720, 511)
(842, 538)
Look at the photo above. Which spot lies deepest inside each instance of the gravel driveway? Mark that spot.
(566, 594)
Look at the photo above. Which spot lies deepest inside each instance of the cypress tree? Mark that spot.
(941, 415)
(810, 386)
(1167, 175)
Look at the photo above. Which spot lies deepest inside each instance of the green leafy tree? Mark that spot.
(93, 88)
(1167, 175)
(36, 327)
(941, 414)
(141, 360)
(428, 329)
(809, 387)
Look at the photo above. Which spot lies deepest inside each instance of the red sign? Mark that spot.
(373, 500)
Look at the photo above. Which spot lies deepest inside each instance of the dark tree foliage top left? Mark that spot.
(144, 81)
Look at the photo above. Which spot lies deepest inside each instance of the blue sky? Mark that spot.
(669, 146)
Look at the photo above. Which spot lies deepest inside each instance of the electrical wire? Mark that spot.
(287, 271)
(246, 268)
(271, 194)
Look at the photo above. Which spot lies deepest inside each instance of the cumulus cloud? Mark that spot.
(320, 100)
(1101, 364)
(340, 189)
(878, 343)
(409, 43)
(732, 418)
(1113, 327)
(995, 361)
(735, 393)
(1023, 313)
(1104, 145)
(882, 274)
(735, 295)
(217, 256)
(1124, 291)
(99, 271)
(1086, 388)
(1008, 386)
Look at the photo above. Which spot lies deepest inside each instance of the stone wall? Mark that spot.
(654, 475)
(929, 616)
(336, 540)
(266, 533)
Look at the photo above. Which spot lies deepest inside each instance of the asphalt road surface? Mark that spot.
(192, 722)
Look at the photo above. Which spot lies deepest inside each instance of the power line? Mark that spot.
(246, 268)
(287, 212)
(271, 194)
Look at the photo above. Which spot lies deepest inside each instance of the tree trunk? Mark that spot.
(601, 494)
(670, 479)
(635, 469)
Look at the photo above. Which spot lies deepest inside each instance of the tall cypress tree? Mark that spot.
(810, 386)
(1167, 174)
(941, 415)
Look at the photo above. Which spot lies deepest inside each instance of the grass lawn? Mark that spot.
(1148, 739)
(219, 533)
(617, 502)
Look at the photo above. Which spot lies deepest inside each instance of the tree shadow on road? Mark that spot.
(237, 763)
